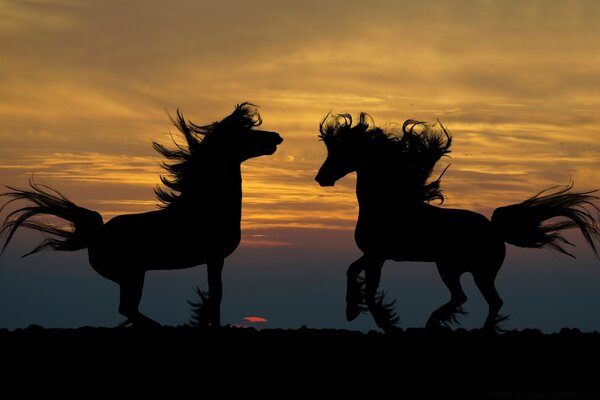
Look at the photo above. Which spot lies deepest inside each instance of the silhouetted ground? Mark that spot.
(306, 363)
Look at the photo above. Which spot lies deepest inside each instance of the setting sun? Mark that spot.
(254, 320)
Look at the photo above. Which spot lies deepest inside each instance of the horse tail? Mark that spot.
(526, 224)
(47, 201)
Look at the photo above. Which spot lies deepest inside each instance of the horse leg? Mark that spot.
(485, 283)
(215, 291)
(383, 316)
(131, 295)
(446, 314)
(354, 297)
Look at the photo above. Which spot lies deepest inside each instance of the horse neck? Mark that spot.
(218, 189)
(379, 188)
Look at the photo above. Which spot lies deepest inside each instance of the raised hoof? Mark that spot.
(352, 312)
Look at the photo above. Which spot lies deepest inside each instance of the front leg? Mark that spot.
(215, 291)
(382, 312)
(372, 278)
(354, 295)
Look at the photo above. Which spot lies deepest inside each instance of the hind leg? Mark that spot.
(485, 283)
(131, 295)
(446, 314)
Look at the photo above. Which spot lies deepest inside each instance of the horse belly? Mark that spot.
(412, 250)
(389, 241)
(436, 235)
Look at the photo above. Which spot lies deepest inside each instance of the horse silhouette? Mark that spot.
(198, 222)
(396, 221)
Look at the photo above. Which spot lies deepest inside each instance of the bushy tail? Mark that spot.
(527, 224)
(45, 200)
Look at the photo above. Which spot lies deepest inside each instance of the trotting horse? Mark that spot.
(198, 223)
(396, 221)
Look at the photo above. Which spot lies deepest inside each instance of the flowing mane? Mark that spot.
(414, 151)
(186, 161)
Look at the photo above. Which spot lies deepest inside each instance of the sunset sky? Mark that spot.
(86, 86)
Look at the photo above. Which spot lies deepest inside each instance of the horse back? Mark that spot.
(161, 240)
(427, 233)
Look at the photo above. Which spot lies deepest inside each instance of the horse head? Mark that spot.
(255, 143)
(240, 138)
(220, 146)
(234, 138)
(345, 146)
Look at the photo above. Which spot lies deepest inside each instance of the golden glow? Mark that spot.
(84, 89)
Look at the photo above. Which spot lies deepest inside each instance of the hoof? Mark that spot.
(433, 325)
(147, 324)
(352, 312)
(141, 322)
(125, 324)
(490, 330)
(392, 330)
(354, 307)
(437, 327)
(496, 325)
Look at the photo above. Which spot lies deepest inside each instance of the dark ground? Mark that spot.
(304, 363)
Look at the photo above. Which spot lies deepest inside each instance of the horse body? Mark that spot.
(396, 221)
(199, 222)
(163, 239)
(428, 233)
(401, 229)
(158, 240)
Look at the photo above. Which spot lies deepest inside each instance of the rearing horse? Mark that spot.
(199, 222)
(396, 221)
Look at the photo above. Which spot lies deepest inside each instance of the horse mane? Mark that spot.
(185, 162)
(414, 151)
